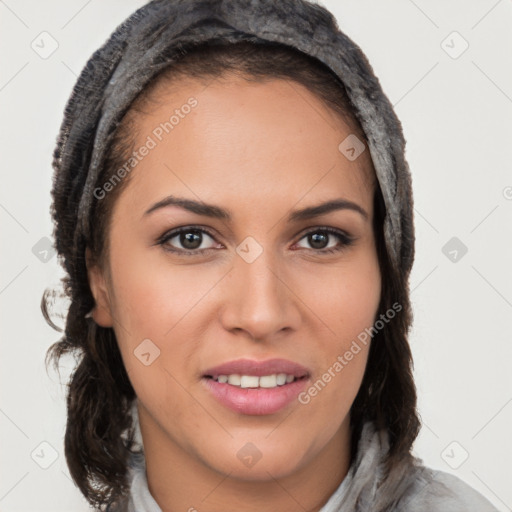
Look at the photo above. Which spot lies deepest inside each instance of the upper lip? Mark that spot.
(257, 368)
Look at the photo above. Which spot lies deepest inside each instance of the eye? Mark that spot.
(190, 238)
(320, 239)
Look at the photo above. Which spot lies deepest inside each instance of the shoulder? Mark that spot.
(440, 491)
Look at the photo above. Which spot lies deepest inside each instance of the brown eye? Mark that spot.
(324, 240)
(186, 240)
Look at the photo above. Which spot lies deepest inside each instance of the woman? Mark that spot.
(234, 212)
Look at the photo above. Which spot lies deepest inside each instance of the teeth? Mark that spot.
(268, 381)
(281, 378)
(234, 380)
(252, 381)
(249, 381)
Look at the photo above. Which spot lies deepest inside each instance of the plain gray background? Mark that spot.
(446, 67)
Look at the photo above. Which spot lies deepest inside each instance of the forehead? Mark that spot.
(227, 135)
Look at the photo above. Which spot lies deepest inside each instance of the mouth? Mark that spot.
(256, 387)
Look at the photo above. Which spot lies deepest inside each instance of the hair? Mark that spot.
(100, 430)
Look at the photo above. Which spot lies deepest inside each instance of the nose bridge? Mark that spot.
(260, 302)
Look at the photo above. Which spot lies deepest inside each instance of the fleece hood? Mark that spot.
(161, 30)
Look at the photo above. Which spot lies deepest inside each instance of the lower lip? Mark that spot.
(255, 401)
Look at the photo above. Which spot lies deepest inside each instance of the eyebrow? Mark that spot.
(216, 212)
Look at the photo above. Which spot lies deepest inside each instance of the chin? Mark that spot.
(256, 461)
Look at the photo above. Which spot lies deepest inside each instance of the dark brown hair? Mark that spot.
(100, 434)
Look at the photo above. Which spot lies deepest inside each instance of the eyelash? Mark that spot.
(345, 239)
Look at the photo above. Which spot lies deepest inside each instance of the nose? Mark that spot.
(260, 302)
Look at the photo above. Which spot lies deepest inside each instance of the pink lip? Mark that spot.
(256, 401)
(257, 368)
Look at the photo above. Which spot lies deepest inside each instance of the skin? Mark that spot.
(259, 150)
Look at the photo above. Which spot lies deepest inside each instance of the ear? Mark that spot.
(101, 313)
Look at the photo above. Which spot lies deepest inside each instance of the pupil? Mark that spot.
(190, 239)
(316, 239)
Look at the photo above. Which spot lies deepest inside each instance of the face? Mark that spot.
(257, 283)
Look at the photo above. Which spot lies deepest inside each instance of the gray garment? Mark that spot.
(411, 487)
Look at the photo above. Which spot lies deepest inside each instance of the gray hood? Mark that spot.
(124, 65)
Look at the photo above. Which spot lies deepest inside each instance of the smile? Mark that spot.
(253, 381)
(252, 387)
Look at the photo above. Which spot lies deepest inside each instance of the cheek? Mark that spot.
(347, 304)
(157, 309)
(153, 296)
(345, 297)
